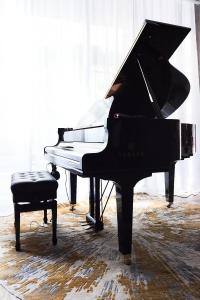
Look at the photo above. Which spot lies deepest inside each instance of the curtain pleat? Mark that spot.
(197, 23)
(58, 57)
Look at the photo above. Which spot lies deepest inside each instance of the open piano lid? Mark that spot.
(147, 84)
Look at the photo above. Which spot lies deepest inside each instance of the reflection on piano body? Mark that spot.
(126, 136)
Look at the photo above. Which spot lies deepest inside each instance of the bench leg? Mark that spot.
(17, 228)
(169, 185)
(54, 222)
(45, 214)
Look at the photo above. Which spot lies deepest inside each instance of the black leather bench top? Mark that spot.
(32, 186)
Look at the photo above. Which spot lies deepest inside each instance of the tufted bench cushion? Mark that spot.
(33, 186)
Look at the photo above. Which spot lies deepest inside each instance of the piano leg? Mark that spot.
(54, 172)
(169, 185)
(73, 190)
(124, 198)
(98, 224)
(91, 197)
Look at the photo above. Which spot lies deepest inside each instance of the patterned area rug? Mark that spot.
(165, 262)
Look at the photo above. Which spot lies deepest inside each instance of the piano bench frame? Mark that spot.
(27, 207)
(34, 191)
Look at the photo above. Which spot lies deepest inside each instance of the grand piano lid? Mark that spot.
(147, 84)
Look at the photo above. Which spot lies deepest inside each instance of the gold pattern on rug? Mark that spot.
(165, 262)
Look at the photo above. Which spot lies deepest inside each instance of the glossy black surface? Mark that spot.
(134, 139)
(147, 78)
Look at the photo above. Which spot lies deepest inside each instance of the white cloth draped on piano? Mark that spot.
(57, 57)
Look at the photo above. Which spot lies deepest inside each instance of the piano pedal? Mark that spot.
(87, 225)
(90, 227)
(84, 223)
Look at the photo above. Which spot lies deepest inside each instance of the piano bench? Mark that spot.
(33, 191)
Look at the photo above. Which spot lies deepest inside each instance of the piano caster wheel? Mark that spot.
(72, 207)
(127, 259)
(55, 174)
(169, 205)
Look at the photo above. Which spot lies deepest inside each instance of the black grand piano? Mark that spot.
(126, 136)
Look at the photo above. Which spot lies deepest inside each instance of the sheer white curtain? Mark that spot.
(185, 59)
(57, 57)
